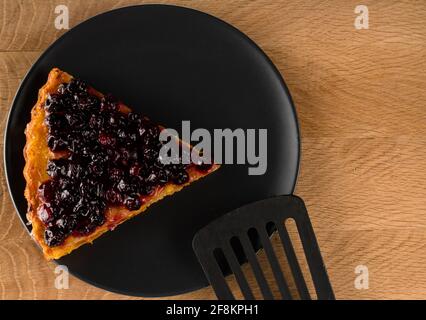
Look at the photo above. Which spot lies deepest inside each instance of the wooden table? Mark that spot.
(360, 97)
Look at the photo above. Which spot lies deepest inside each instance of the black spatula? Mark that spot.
(218, 254)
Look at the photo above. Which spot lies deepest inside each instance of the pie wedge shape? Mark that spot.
(88, 167)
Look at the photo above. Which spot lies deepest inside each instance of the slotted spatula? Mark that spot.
(224, 244)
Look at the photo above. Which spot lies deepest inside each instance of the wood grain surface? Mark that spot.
(360, 97)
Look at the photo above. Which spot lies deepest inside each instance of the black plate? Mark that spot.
(172, 64)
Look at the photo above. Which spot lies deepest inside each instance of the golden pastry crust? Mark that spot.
(37, 154)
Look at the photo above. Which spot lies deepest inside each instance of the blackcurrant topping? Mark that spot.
(108, 158)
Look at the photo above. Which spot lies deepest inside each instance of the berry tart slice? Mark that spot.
(91, 164)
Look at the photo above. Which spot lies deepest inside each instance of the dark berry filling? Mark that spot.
(110, 158)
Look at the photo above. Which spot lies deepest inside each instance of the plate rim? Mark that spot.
(25, 78)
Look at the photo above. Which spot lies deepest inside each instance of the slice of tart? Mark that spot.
(91, 164)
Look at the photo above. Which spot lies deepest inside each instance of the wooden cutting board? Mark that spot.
(361, 101)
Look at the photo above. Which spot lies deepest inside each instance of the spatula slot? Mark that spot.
(221, 261)
(297, 259)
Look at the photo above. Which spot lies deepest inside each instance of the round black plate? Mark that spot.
(172, 64)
